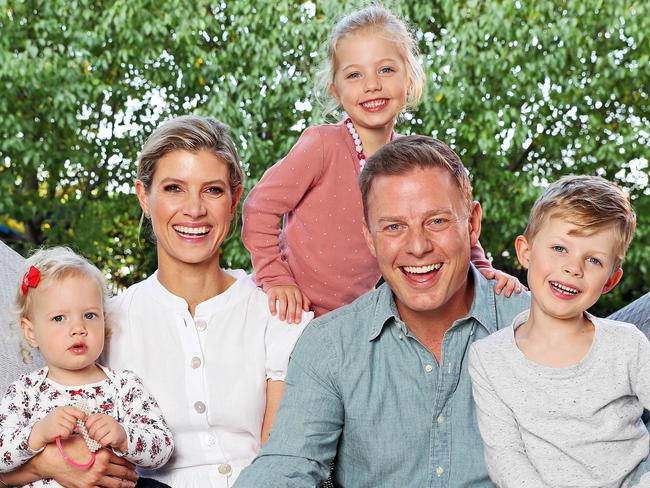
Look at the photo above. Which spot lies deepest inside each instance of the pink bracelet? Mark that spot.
(71, 461)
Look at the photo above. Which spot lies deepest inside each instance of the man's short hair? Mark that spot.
(407, 153)
(592, 204)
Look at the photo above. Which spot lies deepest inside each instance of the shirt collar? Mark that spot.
(483, 308)
(385, 311)
(242, 286)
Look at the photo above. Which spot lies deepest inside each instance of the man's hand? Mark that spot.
(288, 301)
(107, 431)
(60, 422)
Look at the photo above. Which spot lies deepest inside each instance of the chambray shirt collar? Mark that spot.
(483, 308)
(385, 311)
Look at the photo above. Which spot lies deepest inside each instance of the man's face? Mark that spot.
(421, 230)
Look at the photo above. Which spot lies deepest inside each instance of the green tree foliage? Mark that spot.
(524, 91)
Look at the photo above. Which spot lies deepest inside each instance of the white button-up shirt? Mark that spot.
(207, 372)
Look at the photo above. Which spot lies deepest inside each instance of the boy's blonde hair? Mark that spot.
(54, 264)
(379, 19)
(591, 203)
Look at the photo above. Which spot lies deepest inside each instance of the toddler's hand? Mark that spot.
(288, 301)
(505, 282)
(107, 431)
(60, 422)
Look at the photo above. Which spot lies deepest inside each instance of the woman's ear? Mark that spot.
(235, 199)
(28, 331)
(143, 198)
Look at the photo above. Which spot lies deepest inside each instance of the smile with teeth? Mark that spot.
(374, 103)
(191, 232)
(565, 290)
(422, 269)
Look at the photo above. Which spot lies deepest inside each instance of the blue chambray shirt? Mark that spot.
(362, 388)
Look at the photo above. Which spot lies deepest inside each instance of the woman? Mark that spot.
(201, 338)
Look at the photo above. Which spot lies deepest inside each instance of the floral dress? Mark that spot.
(121, 395)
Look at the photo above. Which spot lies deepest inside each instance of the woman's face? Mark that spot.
(190, 205)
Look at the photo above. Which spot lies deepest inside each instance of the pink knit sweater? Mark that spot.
(320, 247)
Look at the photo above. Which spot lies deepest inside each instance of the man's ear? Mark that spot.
(613, 280)
(523, 251)
(28, 331)
(369, 240)
(475, 217)
(143, 198)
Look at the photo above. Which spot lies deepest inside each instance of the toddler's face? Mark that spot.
(66, 321)
(567, 272)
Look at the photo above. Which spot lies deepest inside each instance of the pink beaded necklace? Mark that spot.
(358, 147)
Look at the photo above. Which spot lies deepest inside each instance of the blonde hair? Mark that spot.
(190, 133)
(591, 203)
(55, 264)
(378, 18)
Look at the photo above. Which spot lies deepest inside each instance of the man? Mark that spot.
(382, 384)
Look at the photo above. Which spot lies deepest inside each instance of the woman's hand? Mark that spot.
(108, 471)
(60, 422)
(505, 282)
(107, 431)
(288, 301)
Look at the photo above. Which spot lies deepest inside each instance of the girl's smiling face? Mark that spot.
(190, 205)
(371, 81)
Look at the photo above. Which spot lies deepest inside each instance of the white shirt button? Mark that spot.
(209, 440)
(440, 419)
(440, 471)
(199, 407)
(195, 362)
(201, 325)
(428, 368)
(225, 469)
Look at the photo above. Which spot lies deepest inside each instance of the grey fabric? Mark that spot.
(637, 313)
(11, 362)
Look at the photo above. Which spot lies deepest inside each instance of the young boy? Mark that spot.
(560, 393)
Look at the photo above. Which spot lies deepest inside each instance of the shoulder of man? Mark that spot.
(346, 326)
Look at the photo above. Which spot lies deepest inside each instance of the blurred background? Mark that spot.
(525, 92)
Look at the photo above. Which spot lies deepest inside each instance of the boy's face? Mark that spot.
(567, 272)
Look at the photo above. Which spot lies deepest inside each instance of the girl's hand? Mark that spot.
(60, 422)
(505, 282)
(107, 431)
(288, 301)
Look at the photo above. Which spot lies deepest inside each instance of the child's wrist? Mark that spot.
(35, 441)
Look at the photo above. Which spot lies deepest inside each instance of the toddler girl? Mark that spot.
(319, 258)
(61, 304)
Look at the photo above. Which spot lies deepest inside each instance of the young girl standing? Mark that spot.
(319, 259)
(61, 304)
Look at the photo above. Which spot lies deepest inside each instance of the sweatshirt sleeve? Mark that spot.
(505, 453)
(279, 192)
(150, 440)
